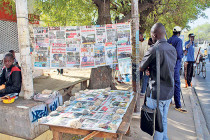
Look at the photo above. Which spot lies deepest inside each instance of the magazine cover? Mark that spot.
(73, 56)
(100, 34)
(88, 34)
(73, 41)
(52, 32)
(87, 55)
(42, 55)
(123, 34)
(58, 47)
(111, 54)
(125, 66)
(124, 51)
(111, 34)
(73, 35)
(58, 54)
(99, 55)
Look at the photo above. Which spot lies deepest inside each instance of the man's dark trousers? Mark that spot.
(177, 83)
(189, 72)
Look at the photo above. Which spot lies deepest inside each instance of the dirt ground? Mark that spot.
(51, 79)
(180, 126)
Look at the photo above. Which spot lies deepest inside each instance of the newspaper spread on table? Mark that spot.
(100, 109)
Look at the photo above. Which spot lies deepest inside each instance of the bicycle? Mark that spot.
(201, 67)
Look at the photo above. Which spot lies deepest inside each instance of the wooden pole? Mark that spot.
(24, 47)
(135, 48)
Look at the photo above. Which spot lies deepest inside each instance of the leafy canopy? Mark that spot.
(65, 12)
(169, 12)
(84, 12)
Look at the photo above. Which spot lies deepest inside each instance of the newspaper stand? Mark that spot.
(123, 129)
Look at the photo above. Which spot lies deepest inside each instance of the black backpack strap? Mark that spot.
(158, 73)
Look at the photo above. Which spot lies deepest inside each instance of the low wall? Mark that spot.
(20, 119)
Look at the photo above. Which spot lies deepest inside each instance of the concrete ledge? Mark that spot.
(20, 119)
(200, 122)
(197, 122)
(45, 136)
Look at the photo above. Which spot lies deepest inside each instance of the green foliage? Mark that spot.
(169, 12)
(65, 12)
(202, 33)
(175, 13)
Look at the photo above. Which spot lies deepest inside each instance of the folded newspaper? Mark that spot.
(46, 96)
(101, 110)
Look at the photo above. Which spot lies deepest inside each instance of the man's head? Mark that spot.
(12, 52)
(191, 37)
(8, 60)
(177, 30)
(141, 38)
(158, 32)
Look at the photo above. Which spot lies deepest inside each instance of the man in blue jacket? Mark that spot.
(176, 42)
(189, 47)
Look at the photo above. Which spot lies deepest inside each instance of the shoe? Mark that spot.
(191, 84)
(181, 110)
(186, 85)
(141, 95)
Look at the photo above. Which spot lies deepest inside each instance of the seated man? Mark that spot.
(10, 79)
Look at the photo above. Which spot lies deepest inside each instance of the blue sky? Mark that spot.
(201, 20)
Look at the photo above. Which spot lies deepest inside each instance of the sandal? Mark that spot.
(181, 110)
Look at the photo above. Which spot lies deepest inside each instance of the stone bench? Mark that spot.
(20, 119)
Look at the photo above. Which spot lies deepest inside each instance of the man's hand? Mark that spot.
(185, 53)
(147, 72)
(2, 91)
(188, 45)
(2, 86)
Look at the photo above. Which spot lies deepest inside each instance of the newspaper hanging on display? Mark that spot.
(73, 43)
(58, 47)
(125, 69)
(42, 47)
(81, 46)
(88, 41)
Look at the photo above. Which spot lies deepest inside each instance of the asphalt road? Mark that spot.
(202, 87)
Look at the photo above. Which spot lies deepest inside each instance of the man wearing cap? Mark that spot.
(176, 42)
(189, 47)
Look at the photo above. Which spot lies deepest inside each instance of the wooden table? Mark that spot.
(123, 129)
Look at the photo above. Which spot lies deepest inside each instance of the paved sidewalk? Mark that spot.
(180, 125)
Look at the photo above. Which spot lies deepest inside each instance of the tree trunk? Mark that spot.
(101, 77)
(24, 46)
(104, 16)
(143, 18)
